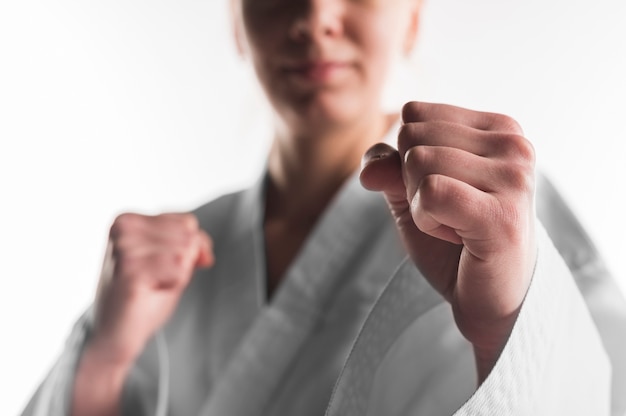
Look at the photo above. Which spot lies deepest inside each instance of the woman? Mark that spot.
(290, 269)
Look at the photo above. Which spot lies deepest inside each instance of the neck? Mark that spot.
(306, 170)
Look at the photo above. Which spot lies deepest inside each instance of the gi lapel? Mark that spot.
(237, 300)
(407, 297)
(258, 365)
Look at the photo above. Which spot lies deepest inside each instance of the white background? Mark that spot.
(143, 105)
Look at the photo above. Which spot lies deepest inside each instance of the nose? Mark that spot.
(317, 19)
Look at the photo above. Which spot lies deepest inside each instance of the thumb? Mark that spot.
(205, 251)
(381, 170)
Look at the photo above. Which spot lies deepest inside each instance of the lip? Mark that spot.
(316, 71)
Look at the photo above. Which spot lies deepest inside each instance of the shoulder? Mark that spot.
(215, 215)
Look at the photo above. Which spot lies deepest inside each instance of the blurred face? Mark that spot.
(324, 62)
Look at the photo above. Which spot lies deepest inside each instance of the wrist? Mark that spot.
(485, 359)
(106, 353)
(488, 340)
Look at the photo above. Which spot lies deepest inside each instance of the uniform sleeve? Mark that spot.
(554, 361)
(54, 394)
(144, 393)
(602, 295)
(405, 358)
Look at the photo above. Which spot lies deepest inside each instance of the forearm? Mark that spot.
(486, 356)
(98, 384)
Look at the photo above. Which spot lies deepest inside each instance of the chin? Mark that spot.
(328, 110)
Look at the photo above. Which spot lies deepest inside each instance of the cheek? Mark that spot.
(379, 41)
(262, 49)
(263, 31)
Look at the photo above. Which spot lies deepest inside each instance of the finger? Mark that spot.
(158, 270)
(444, 133)
(153, 240)
(382, 171)
(205, 256)
(442, 204)
(177, 219)
(171, 225)
(421, 161)
(135, 271)
(158, 226)
(416, 111)
(198, 244)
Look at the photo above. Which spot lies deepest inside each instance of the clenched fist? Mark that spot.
(149, 261)
(461, 189)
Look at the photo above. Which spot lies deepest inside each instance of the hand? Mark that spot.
(148, 263)
(460, 187)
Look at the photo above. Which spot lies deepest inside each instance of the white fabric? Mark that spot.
(553, 363)
(603, 297)
(232, 353)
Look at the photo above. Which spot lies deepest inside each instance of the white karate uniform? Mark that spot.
(228, 352)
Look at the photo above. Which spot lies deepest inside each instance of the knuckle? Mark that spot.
(506, 123)
(178, 259)
(175, 269)
(187, 241)
(430, 191)
(518, 147)
(522, 179)
(124, 223)
(190, 221)
(411, 135)
(523, 147)
(406, 137)
(411, 111)
(122, 245)
(185, 221)
(416, 158)
(517, 176)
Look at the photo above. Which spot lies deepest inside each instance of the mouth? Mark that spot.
(322, 71)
